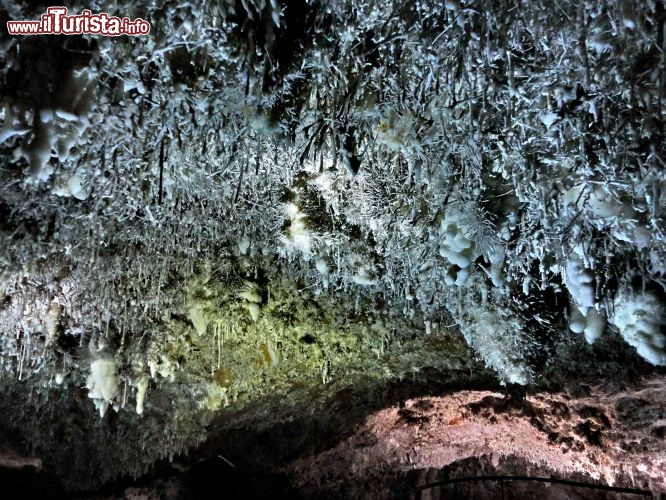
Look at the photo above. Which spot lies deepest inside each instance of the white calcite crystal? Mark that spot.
(458, 249)
(141, 389)
(103, 383)
(641, 318)
(585, 316)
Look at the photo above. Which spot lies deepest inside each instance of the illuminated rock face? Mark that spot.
(261, 207)
(591, 438)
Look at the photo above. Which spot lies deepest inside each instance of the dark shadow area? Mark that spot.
(207, 480)
(28, 483)
(279, 440)
(246, 447)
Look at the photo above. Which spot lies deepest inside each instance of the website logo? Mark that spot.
(55, 21)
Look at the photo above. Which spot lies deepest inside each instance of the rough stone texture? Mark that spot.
(611, 438)
(583, 434)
